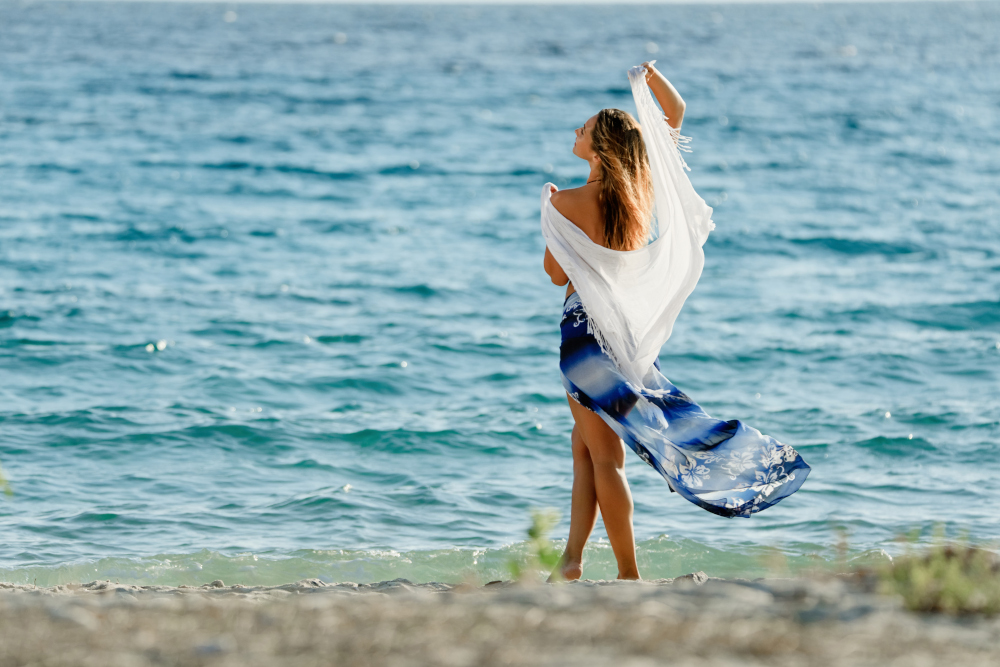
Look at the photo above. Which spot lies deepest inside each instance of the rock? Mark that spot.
(216, 584)
(315, 583)
(394, 586)
(347, 585)
(697, 578)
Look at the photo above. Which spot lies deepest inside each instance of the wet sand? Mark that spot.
(692, 620)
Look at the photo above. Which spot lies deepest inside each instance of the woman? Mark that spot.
(622, 296)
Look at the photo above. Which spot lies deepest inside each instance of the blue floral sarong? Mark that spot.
(725, 467)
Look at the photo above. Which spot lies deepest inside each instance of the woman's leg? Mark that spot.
(583, 514)
(607, 454)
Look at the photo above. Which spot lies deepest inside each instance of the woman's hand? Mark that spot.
(650, 70)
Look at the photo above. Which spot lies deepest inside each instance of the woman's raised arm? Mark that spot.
(668, 97)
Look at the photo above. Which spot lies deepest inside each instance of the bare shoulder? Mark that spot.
(581, 206)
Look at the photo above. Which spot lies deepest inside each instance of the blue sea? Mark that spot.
(272, 303)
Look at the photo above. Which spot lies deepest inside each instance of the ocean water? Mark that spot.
(272, 302)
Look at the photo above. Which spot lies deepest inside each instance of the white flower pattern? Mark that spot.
(707, 457)
(737, 463)
(770, 457)
(694, 474)
(769, 480)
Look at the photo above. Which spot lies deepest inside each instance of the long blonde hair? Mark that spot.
(626, 187)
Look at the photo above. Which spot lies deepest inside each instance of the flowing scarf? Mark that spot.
(633, 297)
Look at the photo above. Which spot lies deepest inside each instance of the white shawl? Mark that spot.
(633, 297)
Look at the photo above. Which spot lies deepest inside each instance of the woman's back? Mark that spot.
(582, 207)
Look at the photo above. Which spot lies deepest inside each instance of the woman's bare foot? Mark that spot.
(569, 570)
(631, 576)
(572, 570)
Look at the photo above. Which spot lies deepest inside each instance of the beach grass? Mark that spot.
(542, 557)
(5, 487)
(953, 577)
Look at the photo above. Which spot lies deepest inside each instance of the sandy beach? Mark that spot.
(685, 621)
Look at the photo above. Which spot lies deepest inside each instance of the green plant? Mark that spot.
(5, 485)
(542, 556)
(949, 577)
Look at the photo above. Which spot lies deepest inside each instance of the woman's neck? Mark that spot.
(595, 173)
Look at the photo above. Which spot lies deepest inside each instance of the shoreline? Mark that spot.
(687, 620)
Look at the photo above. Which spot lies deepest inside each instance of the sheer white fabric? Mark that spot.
(633, 297)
